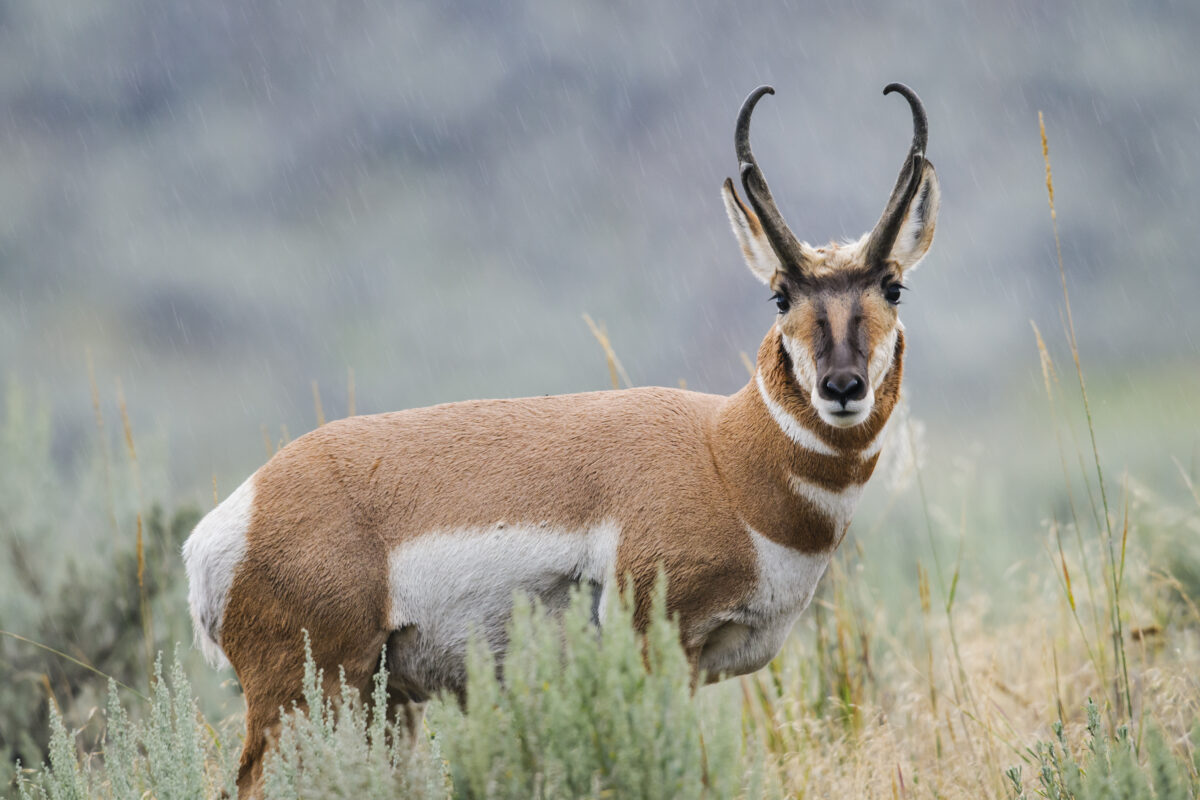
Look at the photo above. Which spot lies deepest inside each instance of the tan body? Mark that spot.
(683, 478)
(405, 533)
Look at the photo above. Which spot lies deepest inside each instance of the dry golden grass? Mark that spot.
(939, 700)
(928, 719)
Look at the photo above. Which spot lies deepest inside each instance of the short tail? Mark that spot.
(211, 556)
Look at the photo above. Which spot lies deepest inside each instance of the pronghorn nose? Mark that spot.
(843, 386)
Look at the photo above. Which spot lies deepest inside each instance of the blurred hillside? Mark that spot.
(227, 200)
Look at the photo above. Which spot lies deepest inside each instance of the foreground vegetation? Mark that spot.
(1082, 684)
(1060, 663)
(864, 702)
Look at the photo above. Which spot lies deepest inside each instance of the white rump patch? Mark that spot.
(446, 584)
(791, 427)
(748, 637)
(838, 506)
(211, 555)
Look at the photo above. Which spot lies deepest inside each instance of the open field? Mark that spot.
(217, 235)
(946, 649)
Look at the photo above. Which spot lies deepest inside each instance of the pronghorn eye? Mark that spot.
(891, 292)
(781, 301)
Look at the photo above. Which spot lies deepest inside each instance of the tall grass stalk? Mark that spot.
(616, 371)
(75, 661)
(1050, 379)
(144, 603)
(136, 475)
(948, 593)
(1118, 637)
(105, 451)
(318, 409)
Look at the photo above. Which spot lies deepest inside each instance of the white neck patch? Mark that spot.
(747, 638)
(791, 427)
(877, 443)
(838, 506)
(787, 578)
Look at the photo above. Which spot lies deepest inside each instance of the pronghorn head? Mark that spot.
(837, 303)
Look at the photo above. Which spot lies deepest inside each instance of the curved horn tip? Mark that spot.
(908, 94)
(920, 120)
(741, 132)
(752, 99)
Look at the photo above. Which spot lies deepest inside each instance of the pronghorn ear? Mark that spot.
(756, 248)
(920, 219)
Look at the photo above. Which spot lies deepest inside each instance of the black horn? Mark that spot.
(879, 247)
(785, 244)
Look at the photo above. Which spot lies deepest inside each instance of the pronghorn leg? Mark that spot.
(262, 725)
(271, 672)
(406, 713)
(270, 667)
(405, 699)
(265, 698)
(693, 659)
(263, 634)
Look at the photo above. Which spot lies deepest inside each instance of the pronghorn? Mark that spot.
(404, 532)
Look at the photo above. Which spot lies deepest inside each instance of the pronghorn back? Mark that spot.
(514, 494)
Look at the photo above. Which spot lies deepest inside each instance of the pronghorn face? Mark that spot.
(837, 304)
(840, 332)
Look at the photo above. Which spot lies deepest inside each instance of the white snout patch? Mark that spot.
(211, 556)
(445, 585)
(832, 412)
(853, 413)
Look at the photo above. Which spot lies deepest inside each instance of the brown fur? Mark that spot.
(681, 473)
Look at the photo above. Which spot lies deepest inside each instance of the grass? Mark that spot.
(993, 662)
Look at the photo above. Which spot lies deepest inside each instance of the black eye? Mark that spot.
(781, 302)
(891, 292)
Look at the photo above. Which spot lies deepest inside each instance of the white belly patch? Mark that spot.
(747, 637)
(445, 585)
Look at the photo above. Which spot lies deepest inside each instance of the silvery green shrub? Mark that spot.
(171, 754)
(588, 712)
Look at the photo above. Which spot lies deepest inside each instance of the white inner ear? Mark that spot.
(756, 249)
(920, 219)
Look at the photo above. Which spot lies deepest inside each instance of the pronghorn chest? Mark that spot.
(746, 637)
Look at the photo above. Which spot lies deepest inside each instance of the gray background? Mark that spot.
(225, 201)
